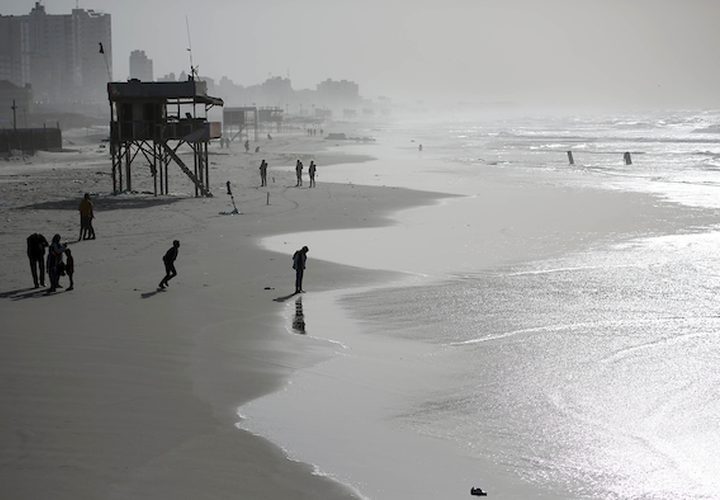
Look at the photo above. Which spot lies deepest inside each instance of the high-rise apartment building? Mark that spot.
(141, 67)
(58, 55)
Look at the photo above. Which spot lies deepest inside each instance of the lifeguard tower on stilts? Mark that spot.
(156, 119)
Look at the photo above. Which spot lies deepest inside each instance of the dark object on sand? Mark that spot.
(169, 261)
(232, 199)
(299, 262)
(478, 492)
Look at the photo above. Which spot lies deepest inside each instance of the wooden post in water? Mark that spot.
(571, 160)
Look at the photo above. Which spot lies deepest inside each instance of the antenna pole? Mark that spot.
(189, 49)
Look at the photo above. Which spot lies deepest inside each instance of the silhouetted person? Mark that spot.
(247, 146)
(36, 244)
(169, 260)
(263, 173)
(298, 173)
(299, 261)
(419, 147)
(311, 172)
(54, 262)
(69, 267)
(86, 216)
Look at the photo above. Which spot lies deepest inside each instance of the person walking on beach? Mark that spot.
(311, 171)
(247, 145)
(169, 260)
(299, 261)
(36, 244)
(55, 263)
(86, 217)
(263, 173)
(298, 173)
(69, 268)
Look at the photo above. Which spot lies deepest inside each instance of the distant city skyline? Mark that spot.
(658, 53)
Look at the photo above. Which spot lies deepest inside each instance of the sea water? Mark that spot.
(593, 372)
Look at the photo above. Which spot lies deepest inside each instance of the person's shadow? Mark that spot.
(285, 297)
(147, 295)
(20, 291)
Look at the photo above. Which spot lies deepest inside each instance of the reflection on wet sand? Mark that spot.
(298, 323)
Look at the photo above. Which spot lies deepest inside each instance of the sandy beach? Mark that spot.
(115, 390)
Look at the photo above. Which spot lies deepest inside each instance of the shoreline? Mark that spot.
(268, 414)
(214, 339)
(143, 404)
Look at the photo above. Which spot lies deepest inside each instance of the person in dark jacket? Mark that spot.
(36, 245)
(299, 262)
(311, 172)
(263, 173)
(169, 260)
(55, 263)
(87, 214)
(298, 173)
(69, 268)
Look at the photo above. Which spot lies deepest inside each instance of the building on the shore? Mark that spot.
(15, 104)
(141, 66)
(58, 54)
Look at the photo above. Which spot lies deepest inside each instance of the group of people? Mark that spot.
(56, 267)
(54, 264)
(312, 169)
(313, 131)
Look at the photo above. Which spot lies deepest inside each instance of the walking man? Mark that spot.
(311, 171)
(36, 244)
(169, 260)
(263, 173)
(299, 262)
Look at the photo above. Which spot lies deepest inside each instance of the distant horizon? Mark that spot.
(557, 53)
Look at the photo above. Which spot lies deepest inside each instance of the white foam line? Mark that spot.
(553, 328)
(561, 269)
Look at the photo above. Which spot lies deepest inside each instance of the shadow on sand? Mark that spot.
(147, 295)
(285, 297)
(103, 203)
(26, 293)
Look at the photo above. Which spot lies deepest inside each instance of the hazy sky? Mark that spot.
(660, 53)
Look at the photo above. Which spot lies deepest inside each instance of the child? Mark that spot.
(169, 260)
(69, 268)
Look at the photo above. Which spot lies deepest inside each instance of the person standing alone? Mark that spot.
(311, 172)
(169, 260)
(299, 261)
(298, 173)
(263, 173)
